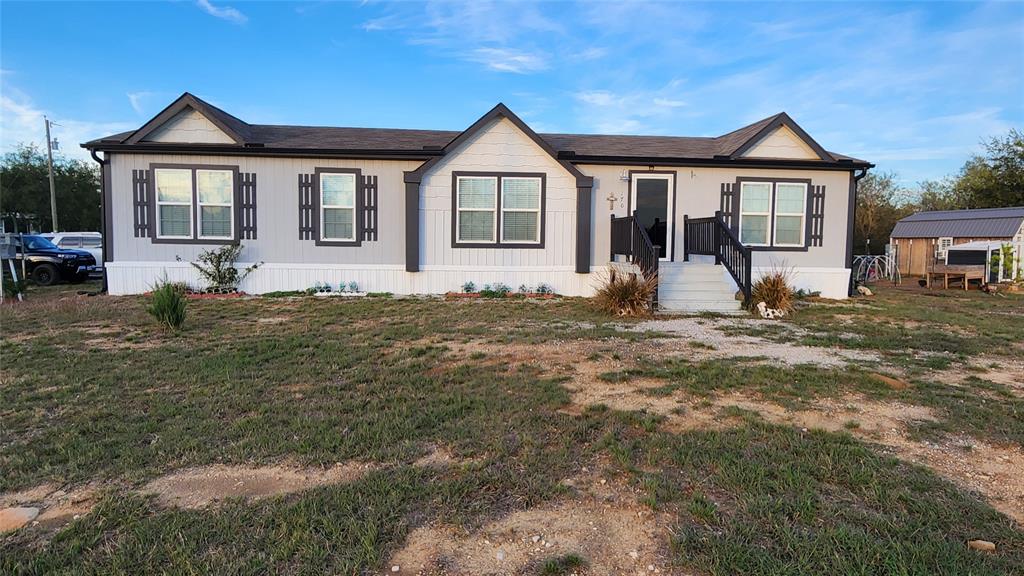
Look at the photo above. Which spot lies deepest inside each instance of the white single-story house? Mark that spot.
(424, 211)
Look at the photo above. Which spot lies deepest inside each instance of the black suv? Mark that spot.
(45, 263)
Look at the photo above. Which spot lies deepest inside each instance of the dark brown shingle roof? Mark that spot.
(402, 140)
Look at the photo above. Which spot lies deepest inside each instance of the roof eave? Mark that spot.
(722, 161)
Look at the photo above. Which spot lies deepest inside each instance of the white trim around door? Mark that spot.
(670, 186)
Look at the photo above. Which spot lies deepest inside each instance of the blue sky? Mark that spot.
(912, 87)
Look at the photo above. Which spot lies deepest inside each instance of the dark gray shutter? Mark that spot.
(817, 211)
(728, 204)
(142, 204)
(369, 208)
(247, 206)
(307, 207)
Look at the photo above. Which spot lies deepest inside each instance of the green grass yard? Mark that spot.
(96, 398)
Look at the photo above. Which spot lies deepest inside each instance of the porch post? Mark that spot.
(718, 237)
(686, 238)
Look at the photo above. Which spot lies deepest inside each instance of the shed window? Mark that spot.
(338, 206)
(477, 212)
(941, 246)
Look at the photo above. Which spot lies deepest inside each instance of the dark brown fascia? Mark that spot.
(844, 165)
(501, 111)
(232, 150)
(184, 101)
(783, 119)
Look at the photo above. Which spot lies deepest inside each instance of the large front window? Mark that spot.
(338, 206)
(195, 203)
(498, 209)
(773, 214)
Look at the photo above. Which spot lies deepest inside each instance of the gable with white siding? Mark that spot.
(500, 147)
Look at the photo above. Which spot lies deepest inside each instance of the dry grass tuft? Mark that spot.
(774, 290)
(626, 294)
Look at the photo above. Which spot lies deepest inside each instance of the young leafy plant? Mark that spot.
(218, 268)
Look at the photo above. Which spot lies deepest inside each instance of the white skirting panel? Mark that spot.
(139, 277)
(831, 282)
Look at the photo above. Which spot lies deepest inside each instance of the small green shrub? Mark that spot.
(469, 287)
(498, 290)
(563, 565)
(167, 304)
(626, 294)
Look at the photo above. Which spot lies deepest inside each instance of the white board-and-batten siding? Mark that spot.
(500, 147)
(293, 264)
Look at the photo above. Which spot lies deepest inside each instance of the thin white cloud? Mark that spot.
(508, 60)
(136, 100)
(223, 12)
(21, 122)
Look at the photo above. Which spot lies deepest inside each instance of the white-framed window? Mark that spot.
(941, 246)
(173, 202)
(215, 192)
(520, 210)
(755, 212)
(790, 211)
(338, 206)
(476, 211)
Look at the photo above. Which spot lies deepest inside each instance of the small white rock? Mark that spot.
(395, 568)
(634, 554)
(536, 539)
(650, 567)
(500, 555)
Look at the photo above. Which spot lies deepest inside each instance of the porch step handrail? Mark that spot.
(629, 239)
(711, 236)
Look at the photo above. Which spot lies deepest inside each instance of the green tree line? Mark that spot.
(25, 191)
(994, 179)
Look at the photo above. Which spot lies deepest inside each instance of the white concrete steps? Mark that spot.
(696, 287)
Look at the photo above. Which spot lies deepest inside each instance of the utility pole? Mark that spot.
(53, 188)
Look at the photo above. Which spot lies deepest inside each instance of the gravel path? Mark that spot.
(706, 330)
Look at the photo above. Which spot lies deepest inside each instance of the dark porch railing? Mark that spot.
(629, 239)
(712, 237)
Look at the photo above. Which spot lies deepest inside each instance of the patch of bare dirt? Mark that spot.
(1002, 370)
(56, 507)
(606, 527)
(716, 343)
(199, 487)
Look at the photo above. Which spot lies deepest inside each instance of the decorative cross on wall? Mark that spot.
(611, 201)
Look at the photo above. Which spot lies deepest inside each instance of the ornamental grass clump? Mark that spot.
(774, 290)
(167, 304)
(626, 294)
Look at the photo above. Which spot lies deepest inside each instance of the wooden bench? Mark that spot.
(966, 273)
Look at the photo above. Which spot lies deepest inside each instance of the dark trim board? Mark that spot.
(358, 212)
(412, 226)
(675, 185)
(841, 165)
(498, 210)
(195, 239)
